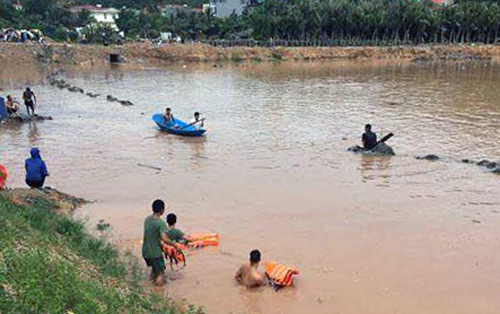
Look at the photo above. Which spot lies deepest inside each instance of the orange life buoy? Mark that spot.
(3, 176)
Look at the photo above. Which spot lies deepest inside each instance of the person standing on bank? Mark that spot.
(155, 231)
(36, 170)
(29, 100)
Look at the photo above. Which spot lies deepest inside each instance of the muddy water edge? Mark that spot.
(369, 234)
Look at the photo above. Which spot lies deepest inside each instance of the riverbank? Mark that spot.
(147, 54)
(50, 263)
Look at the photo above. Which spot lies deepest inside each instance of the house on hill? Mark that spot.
(224, 8)
(100, 14)
(18, 6)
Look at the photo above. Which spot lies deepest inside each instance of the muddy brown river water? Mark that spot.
(371, 235)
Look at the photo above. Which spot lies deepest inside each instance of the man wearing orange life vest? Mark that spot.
(249, 275)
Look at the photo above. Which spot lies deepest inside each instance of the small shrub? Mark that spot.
(236, 57)
(102, 225)
(277, 55)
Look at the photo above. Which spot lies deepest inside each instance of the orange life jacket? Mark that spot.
(174, 257)
(280, 275)
(200, 240)
(3, 176)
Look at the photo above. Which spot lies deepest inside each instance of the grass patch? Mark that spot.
(277, 55)
(50, 264)
(236, 57)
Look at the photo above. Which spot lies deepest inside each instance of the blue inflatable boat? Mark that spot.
(177, 127)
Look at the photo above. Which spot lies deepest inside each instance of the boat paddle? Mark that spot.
(382, 140)
(192, 123)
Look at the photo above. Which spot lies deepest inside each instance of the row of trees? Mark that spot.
(44, 15)
(139, 4)
(375, 21)
(335, 22)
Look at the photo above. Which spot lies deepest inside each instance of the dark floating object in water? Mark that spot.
(491, 166)
(76, 89)
(150, 167)
(25, 118)
(125, 102)
(381, 149)
(93, 95)
(430, 157)
(122, 102)
(488, 164)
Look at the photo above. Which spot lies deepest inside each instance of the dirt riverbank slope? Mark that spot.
(149, 54)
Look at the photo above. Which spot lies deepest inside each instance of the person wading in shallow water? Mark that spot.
(249, 275)
(369, 138)
(29, 100)
(155, 231)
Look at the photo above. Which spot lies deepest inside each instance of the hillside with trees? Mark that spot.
(295, 22)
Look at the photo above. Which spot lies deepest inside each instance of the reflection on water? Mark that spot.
(371, 165)
(273, 173)
(33, 133)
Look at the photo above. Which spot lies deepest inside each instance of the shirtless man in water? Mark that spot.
(249, 275)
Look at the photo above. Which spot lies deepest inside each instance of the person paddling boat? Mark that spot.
(197, 123)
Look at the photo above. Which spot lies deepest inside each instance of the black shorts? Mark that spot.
(158, 264)
(29, 103)
(35, 184)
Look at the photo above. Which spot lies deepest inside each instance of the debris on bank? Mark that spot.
(61, 201)
(146, 53)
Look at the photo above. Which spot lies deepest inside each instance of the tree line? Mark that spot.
(338, 22)
(54, 21)
(335, 22)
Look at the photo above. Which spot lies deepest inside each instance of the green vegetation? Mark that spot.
(334, 22)
(281, 22)
(54, 21)
(50, 264)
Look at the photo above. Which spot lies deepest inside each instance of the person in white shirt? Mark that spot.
(197, 123)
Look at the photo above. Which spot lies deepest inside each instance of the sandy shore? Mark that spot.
(136, 54)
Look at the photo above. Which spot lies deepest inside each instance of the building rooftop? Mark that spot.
(93, 9)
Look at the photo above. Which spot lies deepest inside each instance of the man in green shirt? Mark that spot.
(154, 233)
(173, 233)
